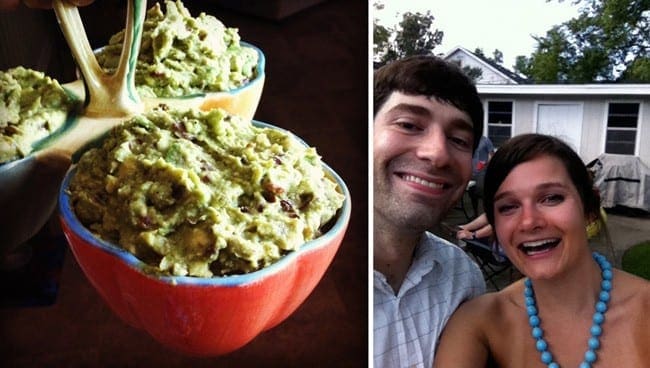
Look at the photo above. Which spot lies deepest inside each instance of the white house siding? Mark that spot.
(643, 140)
(594, 118)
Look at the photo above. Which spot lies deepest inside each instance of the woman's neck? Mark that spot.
(573, 291)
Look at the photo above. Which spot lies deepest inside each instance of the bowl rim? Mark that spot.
(260, 70)
(70, 219)
(39, 145)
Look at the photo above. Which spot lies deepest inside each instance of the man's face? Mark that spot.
(422, 160)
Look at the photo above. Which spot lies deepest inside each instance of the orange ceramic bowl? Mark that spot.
(202, 316)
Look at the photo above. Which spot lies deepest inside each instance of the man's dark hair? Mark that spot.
(430, 76)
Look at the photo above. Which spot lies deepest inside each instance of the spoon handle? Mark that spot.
(108, 95)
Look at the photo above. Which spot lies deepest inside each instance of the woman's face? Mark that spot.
(539, 218)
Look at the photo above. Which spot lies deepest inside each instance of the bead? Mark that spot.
(590, 356)
(606, 285)
(598, 318)
(604, 296)
(528, 283)
(596, 330)
(607, 274)
(593, 343)
(528, 291)
(530, 300)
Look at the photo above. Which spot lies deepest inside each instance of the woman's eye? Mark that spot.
(505, 209)
(553, 199)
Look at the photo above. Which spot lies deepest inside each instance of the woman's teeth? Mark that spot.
(421, 181)
(539, 246)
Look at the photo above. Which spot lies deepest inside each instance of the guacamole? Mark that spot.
(203, 193)
(32, 106)
(181, 55)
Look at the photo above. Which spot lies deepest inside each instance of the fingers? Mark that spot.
(463, 234)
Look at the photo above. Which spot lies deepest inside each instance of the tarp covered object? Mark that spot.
(623, 180)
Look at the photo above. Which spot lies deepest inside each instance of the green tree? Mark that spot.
(414, 35)
(381, 34)
(608, 41)
(550, 61)
(497, 55)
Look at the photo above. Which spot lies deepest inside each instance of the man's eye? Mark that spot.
(461, 142)
(407, 125)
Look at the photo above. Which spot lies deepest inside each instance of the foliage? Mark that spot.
(381, 34)
(608, 41)
(497, 55)
(414, 35)
(474, 73)
(636, 260)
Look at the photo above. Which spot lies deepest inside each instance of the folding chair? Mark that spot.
(461, 203)
(492, 262)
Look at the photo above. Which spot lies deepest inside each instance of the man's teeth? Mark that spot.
(421, 181)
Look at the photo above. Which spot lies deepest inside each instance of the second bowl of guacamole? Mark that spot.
(195, 59)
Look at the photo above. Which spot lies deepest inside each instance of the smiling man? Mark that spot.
(427, 122)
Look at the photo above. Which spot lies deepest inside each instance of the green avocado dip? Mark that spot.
(181, 55)
(32, 106)
(203, 193)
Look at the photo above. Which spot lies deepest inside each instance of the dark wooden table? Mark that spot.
(316, 86)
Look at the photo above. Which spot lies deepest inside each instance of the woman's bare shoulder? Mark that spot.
(490, 307)
(635, 290)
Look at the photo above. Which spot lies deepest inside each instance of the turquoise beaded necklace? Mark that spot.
(596, 329)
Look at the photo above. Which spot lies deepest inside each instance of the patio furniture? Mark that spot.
(492, 262)
(622, 180)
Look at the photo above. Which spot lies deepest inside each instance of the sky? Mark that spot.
(507, 25)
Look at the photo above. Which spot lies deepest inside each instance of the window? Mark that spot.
(499, 116)
(622, 122)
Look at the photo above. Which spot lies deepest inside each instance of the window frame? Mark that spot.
(487, 124)
(636, 129)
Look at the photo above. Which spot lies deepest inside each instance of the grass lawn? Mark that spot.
(636, 260)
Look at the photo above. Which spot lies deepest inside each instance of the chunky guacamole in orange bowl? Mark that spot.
(203, 194)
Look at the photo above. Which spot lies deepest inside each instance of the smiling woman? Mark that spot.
(539, 198)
